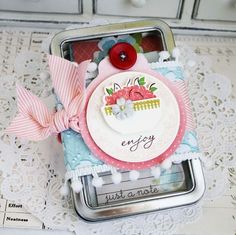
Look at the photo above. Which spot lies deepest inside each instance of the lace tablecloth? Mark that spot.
(32, 172)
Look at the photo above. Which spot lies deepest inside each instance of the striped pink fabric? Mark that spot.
(34, 121)
(181, 86)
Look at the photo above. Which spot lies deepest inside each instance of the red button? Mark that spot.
(123, 55)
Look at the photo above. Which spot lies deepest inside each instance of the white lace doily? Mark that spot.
(32, 172)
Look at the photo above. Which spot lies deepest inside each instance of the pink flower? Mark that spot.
(132, 93)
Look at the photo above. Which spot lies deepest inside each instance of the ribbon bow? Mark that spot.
(34, 121)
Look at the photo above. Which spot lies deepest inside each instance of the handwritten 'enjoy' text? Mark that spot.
(143, 141)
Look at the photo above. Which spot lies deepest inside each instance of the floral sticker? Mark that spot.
(123, 108)
(137, 91)
(136, 95)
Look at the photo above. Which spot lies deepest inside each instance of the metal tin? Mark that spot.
(86, 203)
(59, 43)
(192, 194)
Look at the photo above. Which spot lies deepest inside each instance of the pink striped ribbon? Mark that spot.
(34, 121)
(182, 88)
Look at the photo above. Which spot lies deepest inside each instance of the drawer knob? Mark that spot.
(138, 3)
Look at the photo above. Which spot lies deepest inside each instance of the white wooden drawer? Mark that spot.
(152, 8)
(53, 6)
(215, 10)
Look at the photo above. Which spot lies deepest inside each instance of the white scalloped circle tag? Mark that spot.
(135, 122)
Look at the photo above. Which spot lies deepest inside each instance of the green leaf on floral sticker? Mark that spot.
(152, 88)
(138, 37)
(137, 47)
(141, 81)
(109, 91)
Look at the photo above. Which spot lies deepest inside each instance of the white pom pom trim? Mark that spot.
(116, 177)
(92, 67)
(164, 55)
(176, 53)
(134, 175)
(177, 161)
(74, 63)
(97, 182)
(89, 75)
(166, 164)
(65, 190)
(76, 185)
(156, 172)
